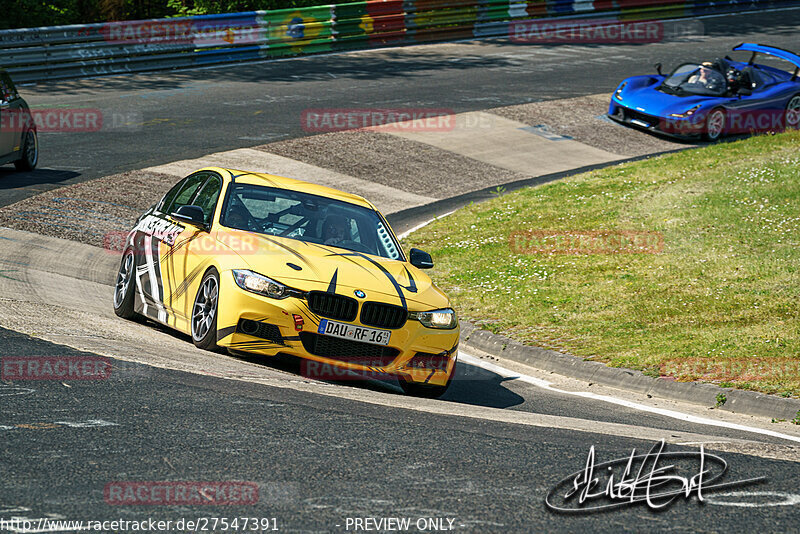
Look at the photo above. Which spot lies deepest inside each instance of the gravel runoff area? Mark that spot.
(584, 119)
(89, 211)
(396, 162)
(93, 212)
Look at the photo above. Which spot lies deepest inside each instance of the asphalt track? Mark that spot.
(485, 456)
(318, 459)
(155, 118)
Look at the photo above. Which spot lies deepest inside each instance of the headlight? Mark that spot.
(443, 319)
(258, 283)
(687, 113)
(618, 93)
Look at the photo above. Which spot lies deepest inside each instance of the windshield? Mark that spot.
(308, 218)
(695, 79)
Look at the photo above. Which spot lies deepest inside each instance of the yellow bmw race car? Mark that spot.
(270, 265)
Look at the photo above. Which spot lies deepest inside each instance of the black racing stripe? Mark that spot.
(313, 316)
(222, 333)
(181, 289)
(342, 255)
(412, 287)
(332, 285)
(391, 278)
(174, 248)
(446, 353)
(256, 345)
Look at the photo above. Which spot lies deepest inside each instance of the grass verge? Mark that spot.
(681, 266)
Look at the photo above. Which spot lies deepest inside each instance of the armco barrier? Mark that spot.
(36, 54)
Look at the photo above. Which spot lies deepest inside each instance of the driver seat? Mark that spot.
(748, 80)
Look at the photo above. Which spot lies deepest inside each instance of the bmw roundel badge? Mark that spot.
(360, 294)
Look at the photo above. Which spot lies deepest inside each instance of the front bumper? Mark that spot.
(680, 128)
(255, 324)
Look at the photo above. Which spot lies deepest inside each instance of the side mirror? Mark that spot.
(658, 69)
(745, 91)
(420, 259)
(192, 215)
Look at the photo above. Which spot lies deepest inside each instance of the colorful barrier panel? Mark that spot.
(99, 49)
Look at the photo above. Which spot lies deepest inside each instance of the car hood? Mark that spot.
(313, 267)
(651, 101)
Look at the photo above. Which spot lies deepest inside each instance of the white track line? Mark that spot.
(422, 225)
(544, 384)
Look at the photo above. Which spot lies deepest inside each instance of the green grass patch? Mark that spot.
(718, 303)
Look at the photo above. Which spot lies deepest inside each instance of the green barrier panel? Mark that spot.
(652, 9)
(295, 31)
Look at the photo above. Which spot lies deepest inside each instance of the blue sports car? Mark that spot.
(715, 98)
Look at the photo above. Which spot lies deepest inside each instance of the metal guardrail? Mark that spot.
(51, 53)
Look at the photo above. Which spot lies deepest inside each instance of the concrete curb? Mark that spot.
(406, 219)
(738, 401)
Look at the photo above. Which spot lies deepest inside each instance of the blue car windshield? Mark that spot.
(309, 218)
(695, 79)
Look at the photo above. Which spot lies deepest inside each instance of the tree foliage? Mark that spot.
(33, 13)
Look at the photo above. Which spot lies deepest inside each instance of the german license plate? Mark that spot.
(354, 333)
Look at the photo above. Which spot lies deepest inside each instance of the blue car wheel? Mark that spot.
(715, 124)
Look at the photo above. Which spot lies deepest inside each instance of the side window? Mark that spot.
(208, 196)
(185, 193)
(170, 196)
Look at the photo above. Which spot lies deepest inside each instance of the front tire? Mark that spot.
(204, 312)
(124, 288)
(715, 125)
(792, 116)
(30, 152)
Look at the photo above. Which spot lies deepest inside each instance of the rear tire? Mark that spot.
(792, 116)
(204, 312)
(124, 288)
(30, 152)
(715, 125)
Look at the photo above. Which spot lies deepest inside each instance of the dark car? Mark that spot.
(19, 143)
